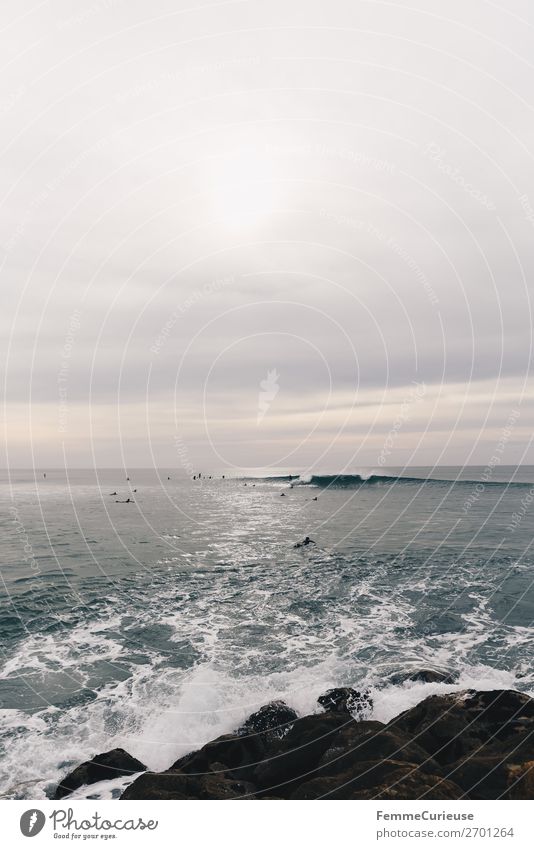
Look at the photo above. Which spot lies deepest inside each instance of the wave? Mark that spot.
(346, 481)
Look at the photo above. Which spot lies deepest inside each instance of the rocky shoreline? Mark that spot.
(466, 745)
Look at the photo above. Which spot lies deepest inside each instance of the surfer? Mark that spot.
(113, 493)
(305, 541)
(128, 501)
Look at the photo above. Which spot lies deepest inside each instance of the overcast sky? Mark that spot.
(296, 234)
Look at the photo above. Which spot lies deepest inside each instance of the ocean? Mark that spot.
(160, 624)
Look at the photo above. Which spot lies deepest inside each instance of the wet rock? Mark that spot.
(372, 742)
(424, 676)
(241, 752)
(346, 700)
(455, 727)
(275, 719)
(177, 785)
(456, 746)
(386, 780)
(102, 767)
(300, 751)
(233, 753)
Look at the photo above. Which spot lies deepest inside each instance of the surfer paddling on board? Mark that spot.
(305, 541)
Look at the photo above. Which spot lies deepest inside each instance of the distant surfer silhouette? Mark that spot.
(113, 493)
(305, 541)
(128, 501)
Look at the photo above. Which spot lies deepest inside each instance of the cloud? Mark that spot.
(365, 189)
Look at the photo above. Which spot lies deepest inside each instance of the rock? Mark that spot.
(520, 781)
(424, 676)
(466, 745)
(484, 740)
(372, 742)
(177, 785)
(367, 759)
(455, 726)
(386, 780)
(238, 755)
(276, 719)
(100, 768)
(347, 700)
(300, 751)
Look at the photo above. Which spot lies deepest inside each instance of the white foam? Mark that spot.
(391, 701)
(110, 789)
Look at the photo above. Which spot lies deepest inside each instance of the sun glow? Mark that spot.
(243, 189)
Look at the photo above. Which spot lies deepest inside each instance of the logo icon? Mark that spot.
(32, 822)
(268, 392)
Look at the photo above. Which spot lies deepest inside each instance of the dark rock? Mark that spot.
(276, 719)
(385, 780)
(372, 742)
(520, 781)
(424, 676)
(457, 746)
(347, 700)
(101, 768)
(300, 751)
(177, 785)
(456, 726)
(235, 754)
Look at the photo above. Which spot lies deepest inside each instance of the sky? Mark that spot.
(281, 235)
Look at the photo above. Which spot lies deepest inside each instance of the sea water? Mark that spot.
(159, 624)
